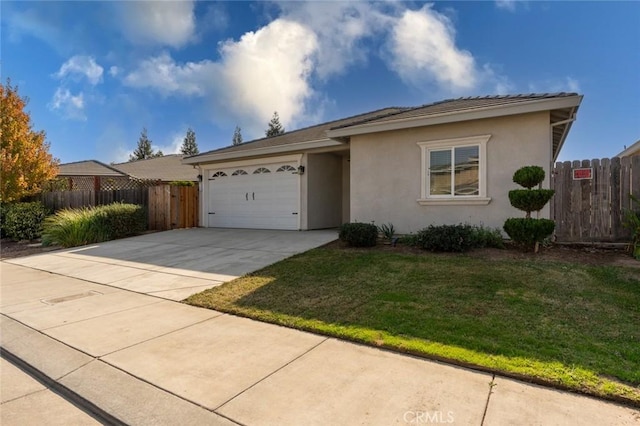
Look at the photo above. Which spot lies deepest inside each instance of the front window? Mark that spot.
(454, 171)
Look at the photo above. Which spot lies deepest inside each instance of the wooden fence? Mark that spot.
(58, 200)
(169, 206)
(592, 209)
(173, 207)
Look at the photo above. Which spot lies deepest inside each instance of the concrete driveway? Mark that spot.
(176, 264)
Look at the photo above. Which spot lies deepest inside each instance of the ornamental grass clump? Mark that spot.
(76, 227)
(527, 231)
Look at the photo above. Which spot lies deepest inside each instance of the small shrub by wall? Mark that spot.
(23, 221)
(359, 234)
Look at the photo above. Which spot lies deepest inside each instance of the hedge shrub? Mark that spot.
(23, 221)
(75, 227)
(451, 238)
(359, 234)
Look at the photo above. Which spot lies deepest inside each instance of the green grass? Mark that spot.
(573, 326)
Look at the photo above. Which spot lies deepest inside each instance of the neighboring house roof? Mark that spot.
(314, 136)
(632, 150)
(563, 107)
(166, 168)
(88, 168)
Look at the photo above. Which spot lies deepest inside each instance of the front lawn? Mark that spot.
(572, 325)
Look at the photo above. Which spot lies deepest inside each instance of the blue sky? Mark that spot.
(96, 73)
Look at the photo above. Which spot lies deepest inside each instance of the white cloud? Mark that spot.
(423, 51)
(174, 145)
(170, 23)
(70, 106)
(114, 71)
(509, 5)
(340, 28)
(163, 74)
(83, 66)
(567, 84)
(265, 71)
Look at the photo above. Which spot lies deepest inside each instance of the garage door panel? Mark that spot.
(263, 200)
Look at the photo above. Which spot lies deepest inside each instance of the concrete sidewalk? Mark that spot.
(147, 360)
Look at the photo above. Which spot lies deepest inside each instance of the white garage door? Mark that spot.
(261, 197)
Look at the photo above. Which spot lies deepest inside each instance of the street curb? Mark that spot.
(63, 391)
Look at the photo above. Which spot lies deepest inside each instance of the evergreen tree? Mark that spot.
(144, 150)
(275, 128)
(189, 145)
(237, 136)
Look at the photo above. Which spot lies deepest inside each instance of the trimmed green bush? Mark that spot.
(450, 238)
(123, 220)
(530, 200)
(76, 227)
(487, 237)
(528, 231)
(529, 176)
(359, 234)
(23, 221)
(454, 238)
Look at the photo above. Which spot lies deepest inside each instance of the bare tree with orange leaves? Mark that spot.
(25, 159)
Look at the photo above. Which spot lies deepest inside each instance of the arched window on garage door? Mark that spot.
(218, 174)
(286, 168)
(239, 172)
(261, 170)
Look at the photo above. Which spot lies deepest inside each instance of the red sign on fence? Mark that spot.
(584, 173)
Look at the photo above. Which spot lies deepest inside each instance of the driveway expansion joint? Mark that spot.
(492, 384)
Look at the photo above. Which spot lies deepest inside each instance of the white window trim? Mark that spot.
(441, 200)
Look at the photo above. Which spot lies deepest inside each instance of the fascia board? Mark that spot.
(458, 116)
(269, 150)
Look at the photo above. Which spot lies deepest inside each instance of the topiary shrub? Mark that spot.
(529, 232)
(449, 238)
(529, 176)
(530, 200)
(359, 234)
(23, 221)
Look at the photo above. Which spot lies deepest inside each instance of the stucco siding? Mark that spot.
(386, 171)
(324, 189)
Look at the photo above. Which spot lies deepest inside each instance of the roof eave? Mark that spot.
(268, 150)
(457, 116)
(628, 151)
